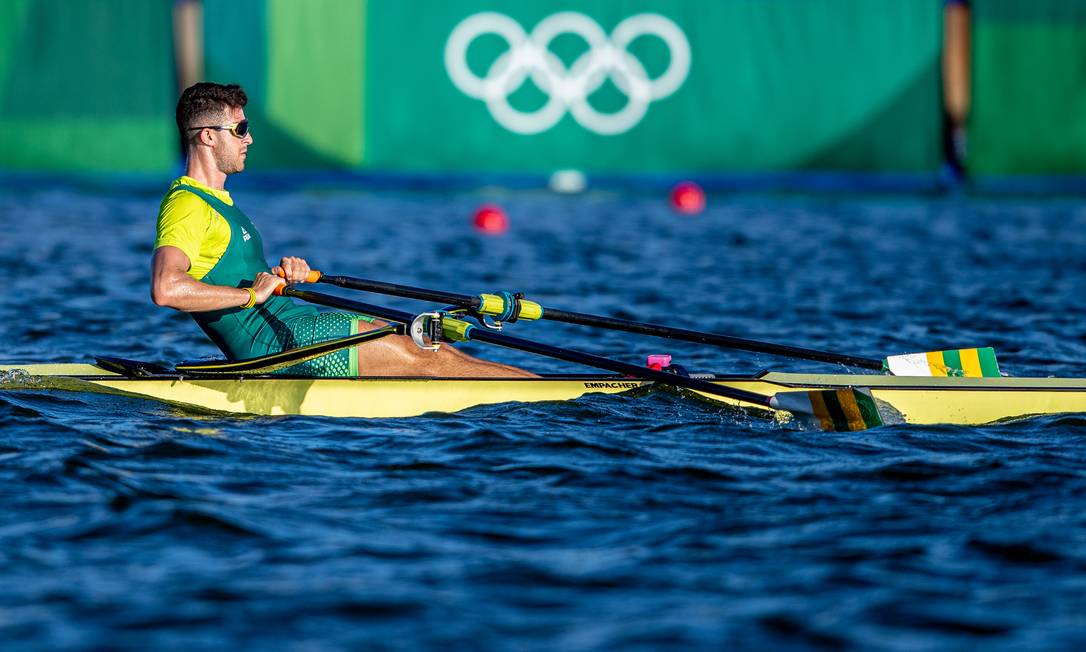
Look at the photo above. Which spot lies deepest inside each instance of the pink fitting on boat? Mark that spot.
(658, 361)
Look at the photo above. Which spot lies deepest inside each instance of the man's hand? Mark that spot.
(264, 285)
(293, 269)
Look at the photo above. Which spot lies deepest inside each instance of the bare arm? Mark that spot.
(173, 288)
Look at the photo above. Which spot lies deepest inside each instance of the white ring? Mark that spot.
(567, 89)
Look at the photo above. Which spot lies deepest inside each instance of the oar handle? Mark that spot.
(313, 277)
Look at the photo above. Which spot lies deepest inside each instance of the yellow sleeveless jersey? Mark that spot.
(189, 223)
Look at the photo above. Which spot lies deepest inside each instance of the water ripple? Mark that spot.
(643, 522)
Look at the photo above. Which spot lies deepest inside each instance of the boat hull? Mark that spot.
(919, 400)
(334, 397)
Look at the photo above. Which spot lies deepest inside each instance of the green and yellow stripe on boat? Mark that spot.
(974, 363)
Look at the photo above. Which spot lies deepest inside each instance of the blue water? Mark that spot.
(648, 523)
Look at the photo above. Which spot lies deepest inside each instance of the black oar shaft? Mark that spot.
(508, 341)
(406, 291)
(640, 328)
(616, 366)
(725, 341)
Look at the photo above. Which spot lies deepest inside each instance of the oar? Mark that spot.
(266, 364)
(843, 409)
(509, 307)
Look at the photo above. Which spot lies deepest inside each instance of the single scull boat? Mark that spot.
(918, 400)
(960, 386)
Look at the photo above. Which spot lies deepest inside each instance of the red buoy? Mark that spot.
(491, 219)
(688, 198)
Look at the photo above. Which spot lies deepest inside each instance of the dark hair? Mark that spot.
(205, 101)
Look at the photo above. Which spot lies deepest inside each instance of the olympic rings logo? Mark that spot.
(567, 89)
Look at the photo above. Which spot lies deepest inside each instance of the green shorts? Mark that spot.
(319, 328)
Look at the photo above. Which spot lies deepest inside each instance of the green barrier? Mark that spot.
(1028, 91)
(638, 86)
(86, 86)
(769, 86)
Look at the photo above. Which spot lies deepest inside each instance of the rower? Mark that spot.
(209, 262)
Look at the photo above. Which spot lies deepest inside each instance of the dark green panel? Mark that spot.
(100, 59)
(1021, 12)
(865, 148)
(1029, 87)
(86, 86)
(235, 44)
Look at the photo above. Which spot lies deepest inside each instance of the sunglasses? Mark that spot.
(239, 129)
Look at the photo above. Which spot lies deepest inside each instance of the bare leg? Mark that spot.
(397, 355)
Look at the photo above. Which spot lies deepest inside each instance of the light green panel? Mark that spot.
(315, 75)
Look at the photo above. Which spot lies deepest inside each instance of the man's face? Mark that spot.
(229, 150)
